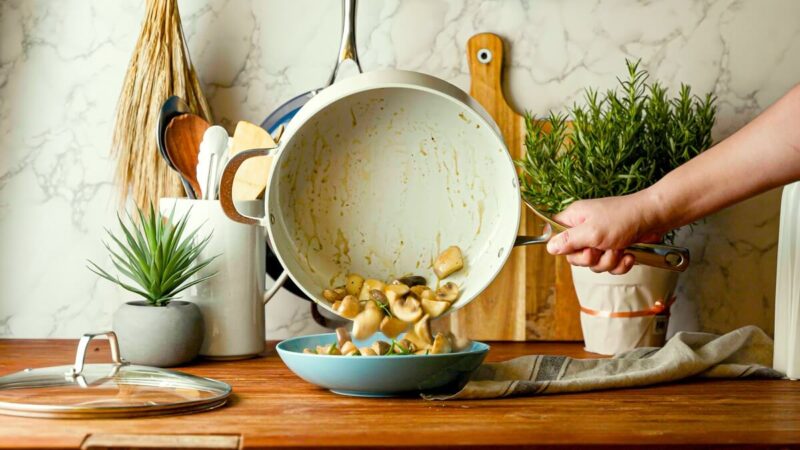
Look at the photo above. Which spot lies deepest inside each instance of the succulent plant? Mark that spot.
(157, 255)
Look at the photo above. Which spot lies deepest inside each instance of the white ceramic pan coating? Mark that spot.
(379, 173)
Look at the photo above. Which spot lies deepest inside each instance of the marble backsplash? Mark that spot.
(62, 64)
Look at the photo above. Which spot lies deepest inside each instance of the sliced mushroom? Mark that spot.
(459, 343)
(420, 290)
(413, 280)
(406, 309)
(380, 347)
(401, 347)
(342, 336)
(448, 262)
(428, 294)
(331, 295)
(391, 327)
(309, 351)
(408, 345)
(398, 290)
(353, 283)
(367, 351)
(340, 290)
(379, 297)
(367, 323)
(349, 349)
(369, 285)
(447, 292)
(329, 349)
(441, 344)
(423, 330)
(434, 308)
(419, 343)
(349, 307)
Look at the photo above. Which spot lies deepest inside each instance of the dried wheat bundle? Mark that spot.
(159, 68)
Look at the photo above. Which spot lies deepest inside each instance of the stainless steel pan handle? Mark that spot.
(347, 46)
(654, 255)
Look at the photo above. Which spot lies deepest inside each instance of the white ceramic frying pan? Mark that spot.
(377, 174)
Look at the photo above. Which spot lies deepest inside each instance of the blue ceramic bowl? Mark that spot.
(380, 376)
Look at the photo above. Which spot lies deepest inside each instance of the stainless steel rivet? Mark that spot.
(484, 56)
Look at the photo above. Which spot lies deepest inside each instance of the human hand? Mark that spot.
(601, 229)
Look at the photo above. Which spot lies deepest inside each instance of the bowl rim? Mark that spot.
(482, 347)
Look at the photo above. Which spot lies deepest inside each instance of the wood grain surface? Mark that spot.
(533, 297)
(272, 408)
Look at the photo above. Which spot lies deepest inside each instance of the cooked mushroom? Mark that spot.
(402, 347)
(369, 285)
(448, 262)
(447, 292)
(434, 308)
(348, 349)
(342, 336)
(459, 342)
(398, 290)
(441, 344)
(423, 330)
(413, 280)
(424, 351)
(412, 337)
(391, 327)
(353, 283)
(408, 345)
(406, 309)
(329, 349)
(380, 347)
(349, 307)
(367, 322)
(309, 351)
(331, 295)
(379, 297)
(367, 351)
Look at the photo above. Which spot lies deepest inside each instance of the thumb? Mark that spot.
(570, 241)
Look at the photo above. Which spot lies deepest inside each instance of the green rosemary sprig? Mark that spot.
(618, 143)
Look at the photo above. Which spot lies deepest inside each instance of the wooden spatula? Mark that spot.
(252, 177)
(183, 137)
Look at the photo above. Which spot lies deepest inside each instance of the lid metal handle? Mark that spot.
(83, 345)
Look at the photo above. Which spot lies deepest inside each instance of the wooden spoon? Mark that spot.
(183, 137)
(252, 177)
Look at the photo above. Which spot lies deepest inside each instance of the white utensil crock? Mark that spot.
(232, 301)
(622, 312)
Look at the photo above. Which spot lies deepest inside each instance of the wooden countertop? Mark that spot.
(271, 408)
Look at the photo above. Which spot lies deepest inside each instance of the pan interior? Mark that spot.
(381, 181)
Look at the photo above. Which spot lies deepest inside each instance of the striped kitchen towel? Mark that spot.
(743, 353)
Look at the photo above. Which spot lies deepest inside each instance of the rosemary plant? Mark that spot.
(157, 255)
(617, 143)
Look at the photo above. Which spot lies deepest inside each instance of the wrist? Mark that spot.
(654, 210)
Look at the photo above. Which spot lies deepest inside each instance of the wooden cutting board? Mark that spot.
(533, 297)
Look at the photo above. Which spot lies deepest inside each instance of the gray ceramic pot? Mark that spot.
(159, 336)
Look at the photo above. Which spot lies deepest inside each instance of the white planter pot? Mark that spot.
(622, 312)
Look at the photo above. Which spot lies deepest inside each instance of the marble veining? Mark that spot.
(62, 64)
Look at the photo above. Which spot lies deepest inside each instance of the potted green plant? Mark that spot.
(159, 258)
(618, 142)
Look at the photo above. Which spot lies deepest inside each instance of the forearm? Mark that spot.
(762, 155)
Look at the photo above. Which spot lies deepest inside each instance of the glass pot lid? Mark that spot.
(118, 389)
